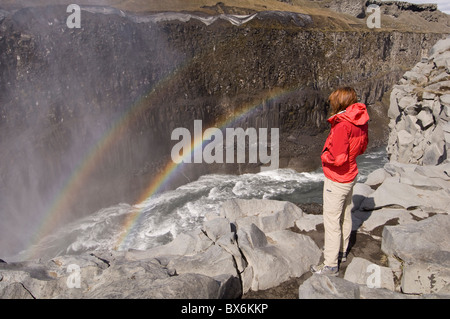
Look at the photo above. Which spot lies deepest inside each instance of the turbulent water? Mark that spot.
(163, 216)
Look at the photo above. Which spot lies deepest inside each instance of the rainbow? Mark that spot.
(67, 196)
(78, 178)
(171, 167)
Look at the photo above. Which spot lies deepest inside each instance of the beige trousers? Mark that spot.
(337, 219)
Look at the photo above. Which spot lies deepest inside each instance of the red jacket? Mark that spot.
(348, 138)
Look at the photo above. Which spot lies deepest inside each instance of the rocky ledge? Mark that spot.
(254, 245)
(248, 247)
(405, 207)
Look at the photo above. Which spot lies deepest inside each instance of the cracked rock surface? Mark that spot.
(228, 256)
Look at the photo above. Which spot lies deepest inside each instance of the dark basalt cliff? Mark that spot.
(109, 94)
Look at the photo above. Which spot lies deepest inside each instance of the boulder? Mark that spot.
(309, 222)
(441, 61)
(268, 215)
(429, 274)
(367, 221)
(440, 47)
(380, 293)
(84, 277)
(325, 287)
(214, 261)
(229, 243)
(185, 244)
(425, 119)
(362, 271)
(376, 178)
(274, 258)
(405, 145)
(406, 101)
(424, 249)
(216, 228)
(394, 111)
(360, 192)
(15, 290)
(184, 286)
(229, 254)
(393, 193)
(428, 95)
(445, 99)
(408, 240)
(418, 110)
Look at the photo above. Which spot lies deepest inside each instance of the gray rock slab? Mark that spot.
(185, 244)
(324, 287)
(394, 193)
(424, 249)
(408, 241)
(309, 222)
(274, 258)
(367, 221)
(427, 274)
(212, 262)
(268, 215)
(364, 272)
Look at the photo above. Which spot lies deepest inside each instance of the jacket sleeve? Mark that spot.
(338, 151)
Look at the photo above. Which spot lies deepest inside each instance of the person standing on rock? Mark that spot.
(347, 140)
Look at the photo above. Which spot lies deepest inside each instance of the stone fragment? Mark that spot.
(407, 101)
(276, 258)
(425, 119)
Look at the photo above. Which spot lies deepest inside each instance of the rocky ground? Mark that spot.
(361, 245)
(264, 248)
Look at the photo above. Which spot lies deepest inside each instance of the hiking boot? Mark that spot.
(322, 269)
(342, 257)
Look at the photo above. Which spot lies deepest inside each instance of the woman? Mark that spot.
(348, 138)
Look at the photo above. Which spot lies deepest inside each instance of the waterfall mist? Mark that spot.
(64, 92)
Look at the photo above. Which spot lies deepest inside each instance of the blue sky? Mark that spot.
(443, 5)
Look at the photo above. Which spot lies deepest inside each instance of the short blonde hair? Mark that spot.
(342, 98)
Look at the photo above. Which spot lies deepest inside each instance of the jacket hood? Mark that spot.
(355, 114)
